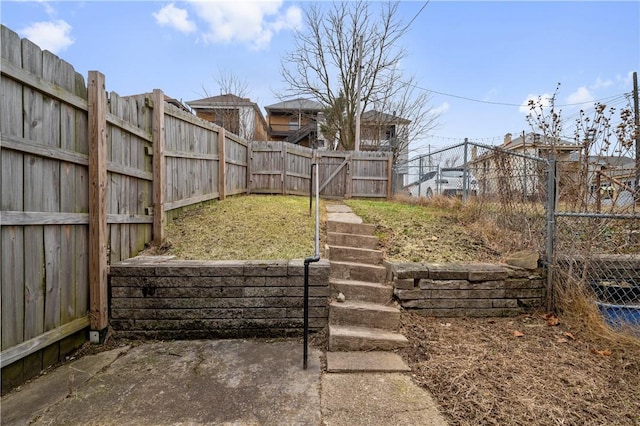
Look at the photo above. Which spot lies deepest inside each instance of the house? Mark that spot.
(610, 174)
(176, 103)
(294, 121)
(238, 115)
(521, 173)
(380, 131)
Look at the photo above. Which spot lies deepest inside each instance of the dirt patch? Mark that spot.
(522, 371)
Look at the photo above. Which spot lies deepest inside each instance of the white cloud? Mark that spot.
(601, 84)
(53, 36)
(543, 101)
(582, 95)
(442, 108)
(253, 23)
(48, 9)
(625, 80)
(175, 18)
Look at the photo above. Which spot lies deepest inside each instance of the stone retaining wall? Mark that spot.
(471, 289)
(161, 298)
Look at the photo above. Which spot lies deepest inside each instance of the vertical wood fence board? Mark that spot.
(67, 278)
(249, 168)
(389, 178)
(222, 166)
(51, 70)
(97, 200)
(70, 189)
(34, 282)
(159, 169)
(35, 190)
(52, 243)
(12, 294)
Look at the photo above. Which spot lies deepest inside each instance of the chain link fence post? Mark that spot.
(551, 211)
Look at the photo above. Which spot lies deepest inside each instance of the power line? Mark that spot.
(417, 14)
(466, 98)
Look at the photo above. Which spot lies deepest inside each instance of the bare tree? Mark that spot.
(324, 62)
(603, 137)
(411, 116)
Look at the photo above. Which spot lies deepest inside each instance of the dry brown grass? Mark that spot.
(482, 374)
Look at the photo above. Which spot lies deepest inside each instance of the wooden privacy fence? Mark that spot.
(283, 168)
(89, 177)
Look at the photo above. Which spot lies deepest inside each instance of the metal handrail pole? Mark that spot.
(308, 260)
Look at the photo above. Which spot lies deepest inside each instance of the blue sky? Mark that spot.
(500, 52)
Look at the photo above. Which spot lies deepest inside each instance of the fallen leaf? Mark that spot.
(605, 352)
(553, 321)
(570, 335)
(517, 333)
(434, 238)
(562, 340)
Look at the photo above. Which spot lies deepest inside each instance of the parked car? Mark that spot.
(446, 181)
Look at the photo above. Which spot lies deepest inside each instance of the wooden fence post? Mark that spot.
(97, 122)
(349, 176)
(283, 156)
(249, 157)
(159, 168)
(390, 178)
(222, 164)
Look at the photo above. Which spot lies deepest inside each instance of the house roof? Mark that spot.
(176, 103)
(299, 104)
(220, 101)
(378, 117)
(531, 139)
(613, 161)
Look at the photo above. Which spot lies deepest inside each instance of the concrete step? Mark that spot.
(345, 338)
(362, 291)
(353, 254)
(352, 240)
(365, 362)
(350, 228)
(358, 271)
(364, 314)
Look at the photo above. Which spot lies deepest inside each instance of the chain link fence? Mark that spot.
(580, 216)
(597, 237)
(506, 190)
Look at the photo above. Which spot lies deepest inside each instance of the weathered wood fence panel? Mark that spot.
(298, 169)
(129, 176)
(267, 168)
(43, 132)
(236, 154)
(371, 174)
(283, 168)
(334, 170)
(192, 160)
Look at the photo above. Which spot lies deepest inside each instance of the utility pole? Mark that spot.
(358, 95)
(637, 129)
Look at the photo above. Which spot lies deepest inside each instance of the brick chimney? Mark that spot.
(507, 139)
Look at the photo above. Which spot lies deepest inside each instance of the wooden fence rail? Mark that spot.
(89, 177)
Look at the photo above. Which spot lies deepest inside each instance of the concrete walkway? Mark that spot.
(229, 382)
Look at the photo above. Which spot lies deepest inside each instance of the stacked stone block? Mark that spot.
(163, 298)
(466, 289)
